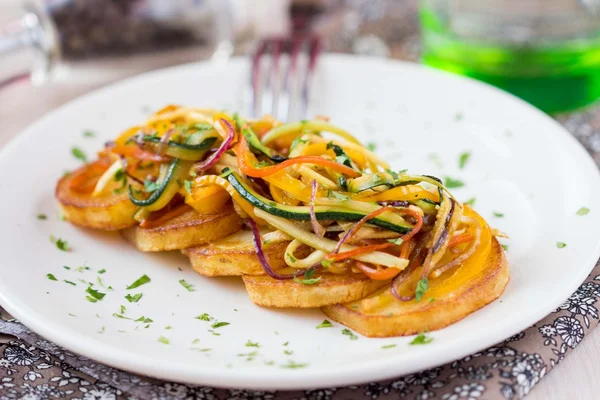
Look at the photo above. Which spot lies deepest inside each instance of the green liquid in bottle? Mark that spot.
(553, 76)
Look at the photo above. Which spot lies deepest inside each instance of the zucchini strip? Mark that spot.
(328, 245)
(387, 221)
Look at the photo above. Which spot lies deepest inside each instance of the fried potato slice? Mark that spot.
(234, 255)
(108, 211)
(185, 230)
(465, 290)
(331, 289)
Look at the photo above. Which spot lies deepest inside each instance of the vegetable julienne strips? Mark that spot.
(346, 224)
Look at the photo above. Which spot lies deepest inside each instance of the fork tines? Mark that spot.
(280, 81)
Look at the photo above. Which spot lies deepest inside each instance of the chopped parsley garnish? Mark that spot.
(120, 316)
(188, 186)
(51, 277)
(163, 340)
(89, 134)
(325, 324)
(168, 327)
(61, 244)
(102, 271)
(293, 365)
(202, 350)
(79, 154)
(348, 332)
(91, 299)
(286, 343)
(431, 300)
(42, 217)
(72, 315)
(288, 352)
(421, 339)
(102, 329)
(453, 183)
(561, 245)
(204, 317)
(463, 159)
(371, 146)
(397, 241)
(308, 279)
(471, 201)
(95, 294)
(388, 346)
(144, 320)
(422, 287)
(219, 324)
(141, 281)
(583, 211)
(188, 286)
(269, 362)
(291, 257)
(123, 309)
(252, 344)
(70, 283)
(504, 246)
(150, 186)
(498, 214)
(135, 298)
(67, 268)
(214, 333)
(120, 176)
(195, 341)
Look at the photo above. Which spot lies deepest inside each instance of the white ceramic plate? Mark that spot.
(523, 165)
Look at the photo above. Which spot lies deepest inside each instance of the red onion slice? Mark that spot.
(211, 160)
(263, 259)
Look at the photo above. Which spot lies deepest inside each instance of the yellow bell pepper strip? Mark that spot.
(408, 193)
(243, 153)
(292, 186)
(207, 199)
(296, 128)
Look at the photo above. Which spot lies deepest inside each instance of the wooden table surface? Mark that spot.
(21, 104)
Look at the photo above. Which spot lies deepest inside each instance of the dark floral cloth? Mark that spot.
(33, 368)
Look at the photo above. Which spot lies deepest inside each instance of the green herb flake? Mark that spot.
(286, 343)
(204, 317)
(150, 186)
(89, 134)
(120, 316)
(61, 244)
(371, 146)
(135, 298)
(583, 211)
(72, 315)
(269, 362)
(163, 340)
(195, 341)
(471, 201)
(288, 352)
(463, 159)
(498, 214)
(51, 277)
(349, 333)
(308, 279)
(561, 245)
(252, 344)
(431, 300)
(42, 217)
(388, 346)
(188, 186)
(325, 324)
(397, 241)
(451, 183)
(219, 324)
(91, 299)
(102, 329)
(504, 246)
(291, 257)
(70, 283)
(293, 365)
(189, 287)
(168, 327)
(422, 287)
(421, 339)
(79, 154)
(458, 116)
(101, 271)
(66, 267)
(123, 309)
(139, 282)
(201, 350)
(94, 293)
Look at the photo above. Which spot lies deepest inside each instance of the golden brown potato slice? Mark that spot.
(331, 289)
(108, 211)
(185, 230)
(457, 294)
(234, 255)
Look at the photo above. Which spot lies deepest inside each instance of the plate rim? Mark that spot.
(374, 370)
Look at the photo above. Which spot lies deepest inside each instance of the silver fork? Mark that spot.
(281, 76)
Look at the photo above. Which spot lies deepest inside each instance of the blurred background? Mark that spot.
(544, 51)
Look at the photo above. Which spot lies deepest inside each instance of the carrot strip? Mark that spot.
(460, 239)
(358, 251)
(243, 149)
(382, 274)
